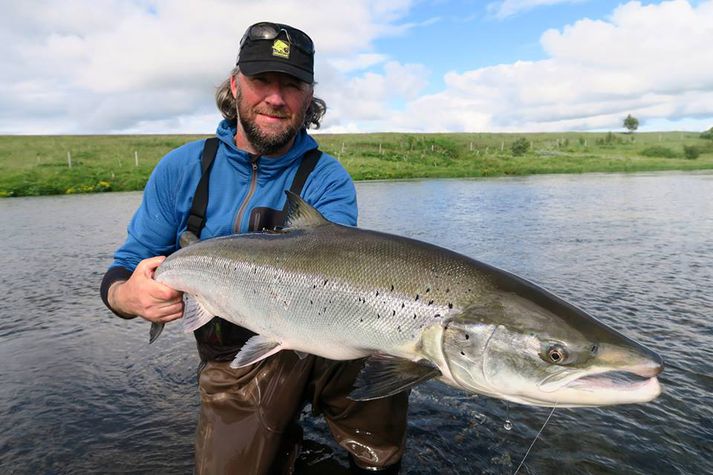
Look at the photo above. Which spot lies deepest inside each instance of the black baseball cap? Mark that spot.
(274, 47)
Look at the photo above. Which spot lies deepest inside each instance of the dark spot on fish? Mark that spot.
(428, 289)
(399, 328)
(448, 290)
(378, 316)
(311, 302)
(467, 337)
(394, 313)
(430, 302)
(325, 281)
(416, 296)
(403, 305)
(450, 305)
(314, 286)
(377, 293)
(285, 302)
(392, 288)
(438, 315)
(361, 319)
(462, 353)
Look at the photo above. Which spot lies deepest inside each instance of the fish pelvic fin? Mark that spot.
(385, 375)
(301, 215)
(155, 331)
(255, 349)
(194, 315)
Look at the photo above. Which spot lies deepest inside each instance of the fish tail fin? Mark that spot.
(155, 331)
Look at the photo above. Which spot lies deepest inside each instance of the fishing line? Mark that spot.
(533, 442)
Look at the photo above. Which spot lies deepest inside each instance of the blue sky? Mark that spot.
(150, 66)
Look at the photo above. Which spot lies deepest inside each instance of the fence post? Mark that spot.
(69, 159)
(136, 158)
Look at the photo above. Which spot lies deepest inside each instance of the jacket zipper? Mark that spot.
(253, 184)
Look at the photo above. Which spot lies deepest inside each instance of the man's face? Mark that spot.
(271, 110)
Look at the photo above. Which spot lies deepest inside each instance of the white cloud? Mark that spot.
(505, 8)
(653, 61)
(83, 66)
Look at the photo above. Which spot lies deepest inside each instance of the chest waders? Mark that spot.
(220, 340)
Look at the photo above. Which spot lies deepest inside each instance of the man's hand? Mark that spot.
(141, 295)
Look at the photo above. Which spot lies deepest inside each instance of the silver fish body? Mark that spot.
(418, 310)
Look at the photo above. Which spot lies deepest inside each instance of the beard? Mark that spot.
(267, 142)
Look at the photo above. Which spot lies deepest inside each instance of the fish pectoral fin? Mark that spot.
(194, 315)
(155, 331)
(255, 349)
(301, 354)
(385, 375)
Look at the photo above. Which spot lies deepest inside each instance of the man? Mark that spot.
(247, 422)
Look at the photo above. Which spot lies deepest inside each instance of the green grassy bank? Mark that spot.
(43, 165)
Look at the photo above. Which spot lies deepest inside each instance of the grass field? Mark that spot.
(40, 165)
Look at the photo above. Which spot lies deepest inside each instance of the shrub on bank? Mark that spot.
(520, 147)
(659, 152)
(691, 152)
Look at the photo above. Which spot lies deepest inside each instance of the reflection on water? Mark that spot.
(83, 392)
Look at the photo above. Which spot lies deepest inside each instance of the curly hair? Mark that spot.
(226, 104)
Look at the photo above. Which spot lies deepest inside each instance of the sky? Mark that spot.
(142, 66)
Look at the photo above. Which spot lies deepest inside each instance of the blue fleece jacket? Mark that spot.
(158, 223)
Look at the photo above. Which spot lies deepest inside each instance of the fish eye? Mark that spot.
(556, 354)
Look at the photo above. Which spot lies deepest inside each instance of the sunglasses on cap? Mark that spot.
(270, 31)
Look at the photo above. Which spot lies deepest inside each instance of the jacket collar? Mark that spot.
(268, 165)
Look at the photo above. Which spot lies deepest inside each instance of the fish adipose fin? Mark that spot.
(300, 214)
(385, 375)
(155, 331)
(194, 315)
(255, 349)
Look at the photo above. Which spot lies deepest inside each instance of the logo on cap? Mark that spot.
(281, 49)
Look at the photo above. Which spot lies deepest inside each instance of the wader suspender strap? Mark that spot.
(196, 220)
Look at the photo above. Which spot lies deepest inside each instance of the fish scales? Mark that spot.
(356, 288)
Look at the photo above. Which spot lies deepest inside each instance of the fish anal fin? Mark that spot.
(194, 315)
(300, 214)
(255, 349)
(385, 375)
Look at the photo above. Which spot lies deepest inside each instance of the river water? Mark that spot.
(83, 392)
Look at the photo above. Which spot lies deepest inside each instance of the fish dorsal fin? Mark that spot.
(255, 349)
(385, 375)
(194, 315)
(300, 214)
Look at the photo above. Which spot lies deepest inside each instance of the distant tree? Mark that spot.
(708, 134)
(631, 123)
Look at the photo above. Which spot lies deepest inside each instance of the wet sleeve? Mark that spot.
(114, 274)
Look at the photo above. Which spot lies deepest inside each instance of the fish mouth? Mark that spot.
(635, 383)
(613, 380)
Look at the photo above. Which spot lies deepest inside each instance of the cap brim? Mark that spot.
(251, 68)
